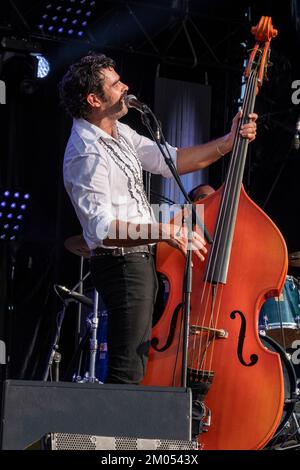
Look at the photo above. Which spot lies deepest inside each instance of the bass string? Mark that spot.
(212, 309)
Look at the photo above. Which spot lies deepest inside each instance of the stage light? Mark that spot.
(71, 12)
(43, 67)
(11, 219)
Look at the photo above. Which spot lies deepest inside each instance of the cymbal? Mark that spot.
(77, 246)
(294, 259)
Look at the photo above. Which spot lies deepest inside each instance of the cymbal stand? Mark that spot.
(90, 374)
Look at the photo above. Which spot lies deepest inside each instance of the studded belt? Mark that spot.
(120, 251)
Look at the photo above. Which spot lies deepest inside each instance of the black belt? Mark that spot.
(120, 251)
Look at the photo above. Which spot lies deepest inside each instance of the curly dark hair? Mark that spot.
(81, 79)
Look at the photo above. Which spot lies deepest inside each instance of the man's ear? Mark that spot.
(94, 100)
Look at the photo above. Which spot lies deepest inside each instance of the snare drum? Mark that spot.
(280, 316)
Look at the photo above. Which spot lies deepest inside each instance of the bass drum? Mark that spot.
(290, 388)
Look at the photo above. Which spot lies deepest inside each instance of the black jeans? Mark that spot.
(128, 286)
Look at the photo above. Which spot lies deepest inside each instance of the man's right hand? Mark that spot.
(177, 237)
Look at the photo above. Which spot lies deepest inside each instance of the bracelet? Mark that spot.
(219, 151)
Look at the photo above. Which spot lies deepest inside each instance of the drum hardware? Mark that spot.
(77, 245)
(90, 374)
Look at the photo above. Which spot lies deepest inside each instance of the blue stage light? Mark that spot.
(11, 218)
(71, 12)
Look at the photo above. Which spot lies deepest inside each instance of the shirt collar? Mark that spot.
(88, 132)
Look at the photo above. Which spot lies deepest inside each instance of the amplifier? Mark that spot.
(65, 441)
(33, 409)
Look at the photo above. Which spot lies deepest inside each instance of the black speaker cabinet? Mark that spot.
(33, 409)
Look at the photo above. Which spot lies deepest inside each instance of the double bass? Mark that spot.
(235, 378)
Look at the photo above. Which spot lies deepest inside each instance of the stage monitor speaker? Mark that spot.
(32, 409)
(64, 441)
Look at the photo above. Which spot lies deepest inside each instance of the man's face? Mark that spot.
(114, 91)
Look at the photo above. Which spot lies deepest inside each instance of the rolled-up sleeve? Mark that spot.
(86, 181)
(150, 155)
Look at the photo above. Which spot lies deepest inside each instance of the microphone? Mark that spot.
(67, 293)
(296, 140)
(131, 101)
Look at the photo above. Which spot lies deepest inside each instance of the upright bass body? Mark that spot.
(245, 399)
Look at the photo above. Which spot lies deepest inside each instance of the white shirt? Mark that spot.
(103, 176)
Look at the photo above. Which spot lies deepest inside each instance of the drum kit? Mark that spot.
(279, 331)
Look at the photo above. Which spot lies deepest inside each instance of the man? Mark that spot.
(103, 176)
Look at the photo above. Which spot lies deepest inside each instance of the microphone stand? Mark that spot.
(195, 219)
